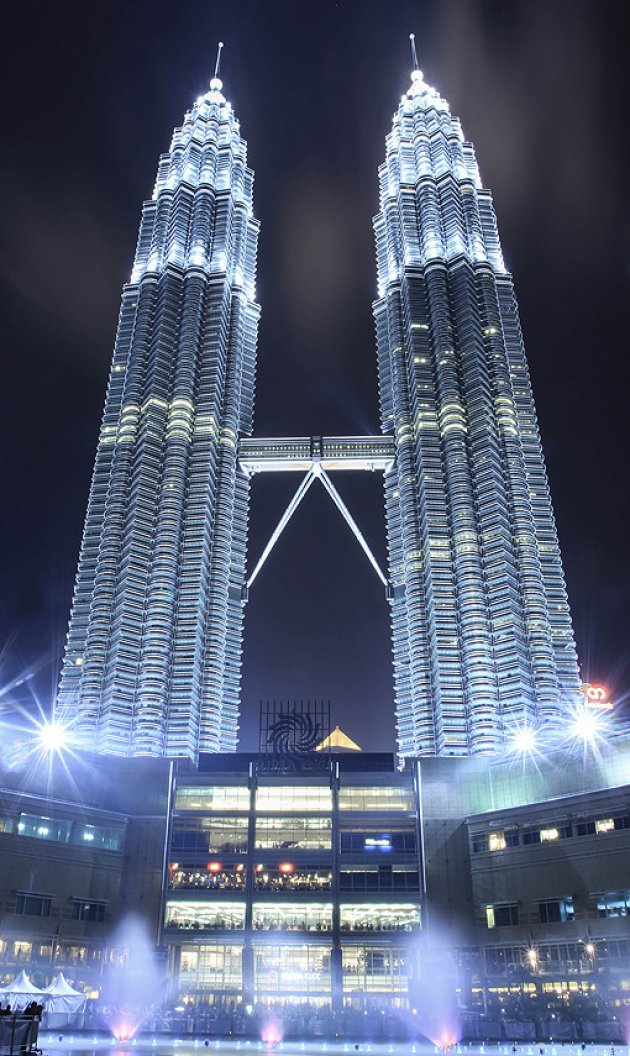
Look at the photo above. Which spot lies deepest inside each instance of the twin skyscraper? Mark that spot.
(481, 629)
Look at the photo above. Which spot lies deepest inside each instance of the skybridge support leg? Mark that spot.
(352, 524)
(305, 484)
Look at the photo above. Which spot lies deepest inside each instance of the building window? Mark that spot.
(205, 916)
(503, 960)
(548, 835)
(44, 828)
(285, 876)
(308, 916)
(211, 968)
(379, 878)
(297, 799)
(613, 904)
(585, 828)
(496, 841)
(604, 825)
(381, 916)
(374, 970)
(556, 911)
(209, 876)
(100, 836)
(290, 969)
(375, 798)
(41, 827)
(309, 834)
(216, 797)
(375, 841)
(504, 915)
(22, 951)
(479, 842)
(221, 835)
(33, 905)
(94, 912)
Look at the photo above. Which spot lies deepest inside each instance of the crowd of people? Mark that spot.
(32, 1010)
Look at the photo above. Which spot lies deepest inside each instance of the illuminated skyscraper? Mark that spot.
(482, 633)
(482, 639)
(152, 664)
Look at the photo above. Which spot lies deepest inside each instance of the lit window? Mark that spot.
(549, 834)
(294, 799)
(216, 797)
(604, 825)
(205, 916)
(496, 841)
(376, 799)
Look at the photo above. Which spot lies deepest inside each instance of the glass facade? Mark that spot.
(281, 833)
(374, 970)
(205, 916)
(153, 655)
(309, 916)
(221, 798)
(291, 970)
(305, 877)
(376, 799)
(41, 827)
(210, 968)
(481, 626)
(294, 799)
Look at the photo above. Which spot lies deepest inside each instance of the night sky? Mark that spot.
(91, 93)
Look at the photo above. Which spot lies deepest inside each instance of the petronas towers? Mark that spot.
(152, 664)
(482, 637)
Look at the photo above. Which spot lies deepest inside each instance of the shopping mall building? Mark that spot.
(337, 879)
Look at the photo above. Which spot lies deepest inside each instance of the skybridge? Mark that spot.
(316, 457)
(298, 453)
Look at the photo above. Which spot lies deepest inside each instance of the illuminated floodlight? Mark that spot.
(587, 726)
(523, 740)
(52, 737)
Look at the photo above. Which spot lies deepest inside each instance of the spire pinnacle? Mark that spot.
(216, 84)
(414, 53)
(218, 62)
(417, 78)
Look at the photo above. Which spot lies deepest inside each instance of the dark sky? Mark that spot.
(91, 92)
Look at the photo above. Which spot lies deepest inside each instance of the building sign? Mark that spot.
(596, 697)
(290, 734)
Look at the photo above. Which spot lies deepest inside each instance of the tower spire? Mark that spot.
(218, 62)
(414, 53)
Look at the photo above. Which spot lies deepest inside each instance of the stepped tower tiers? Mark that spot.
(482, 636)
(153, 656)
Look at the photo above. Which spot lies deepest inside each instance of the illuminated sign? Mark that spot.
(596, 697)
(382, 842)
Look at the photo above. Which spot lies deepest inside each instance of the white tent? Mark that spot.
(61, 997)
(20, 992)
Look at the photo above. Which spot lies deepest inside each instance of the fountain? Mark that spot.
(435, 999)
(134, 985)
